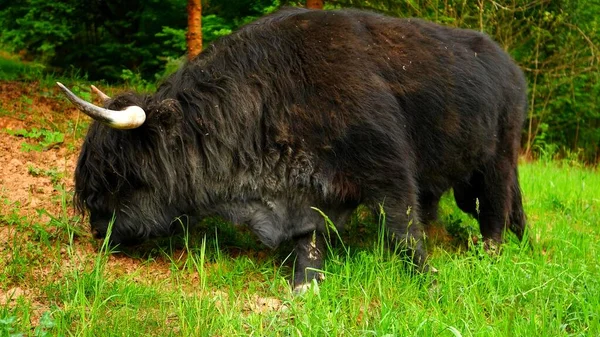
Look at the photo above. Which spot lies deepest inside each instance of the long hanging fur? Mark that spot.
(316, 108)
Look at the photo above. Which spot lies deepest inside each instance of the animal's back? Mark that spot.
(363, 91)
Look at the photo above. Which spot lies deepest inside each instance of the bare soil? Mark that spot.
(32, 185)
(22, 189)
(23, 186)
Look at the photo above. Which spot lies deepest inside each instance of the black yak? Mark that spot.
(313, 109)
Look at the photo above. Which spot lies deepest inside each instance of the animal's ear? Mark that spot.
(168, 114)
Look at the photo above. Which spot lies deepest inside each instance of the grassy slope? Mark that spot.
(218, 282)
(550, 291)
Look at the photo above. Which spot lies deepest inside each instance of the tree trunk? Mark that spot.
(194, 33)
(314, 4)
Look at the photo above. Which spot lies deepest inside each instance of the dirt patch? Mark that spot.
(262, 305)
(30, 105)
(35, 182)
(32, 180)
(10, 298)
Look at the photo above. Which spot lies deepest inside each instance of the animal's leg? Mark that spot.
(428, 203)
(488, 196)
(467, 194)
(310, 249)
(517, 215)
(405, 231)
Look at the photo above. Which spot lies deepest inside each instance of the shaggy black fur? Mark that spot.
(327, 109)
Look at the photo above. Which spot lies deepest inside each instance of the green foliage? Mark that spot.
(38, 26)
(134, 80)
(240, 11)
(220, 18)
(173, 37)
(101, 37)
(55, 175)
(13, 69)
(46, 323)
(104, 38)
(44, 139)
(213, 27)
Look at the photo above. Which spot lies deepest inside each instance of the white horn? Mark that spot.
(104, 97)
(128, 118)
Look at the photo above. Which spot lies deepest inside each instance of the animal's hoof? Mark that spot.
(304, 288)
(492, 247)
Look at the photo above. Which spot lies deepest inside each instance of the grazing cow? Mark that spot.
(303, 109)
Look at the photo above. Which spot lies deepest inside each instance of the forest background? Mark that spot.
(135, 42)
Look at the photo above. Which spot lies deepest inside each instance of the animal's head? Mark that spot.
(132, 167)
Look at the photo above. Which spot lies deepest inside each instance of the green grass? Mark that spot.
(217, 282)
(11, 68)
(44, 139)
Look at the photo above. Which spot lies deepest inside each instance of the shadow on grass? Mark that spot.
(454, 232)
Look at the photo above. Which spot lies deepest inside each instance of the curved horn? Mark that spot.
(128, 118)
(104, 97)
